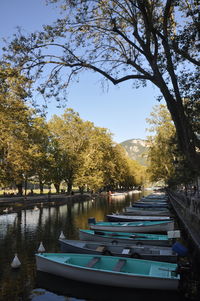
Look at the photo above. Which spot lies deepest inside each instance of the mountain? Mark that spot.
(136, 149)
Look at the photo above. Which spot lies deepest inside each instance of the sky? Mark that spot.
(121, 109)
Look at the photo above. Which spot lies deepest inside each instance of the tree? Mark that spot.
(39, 149)
(24, 134)
(74, 147)
(15, 119)
(85, 155)
(166, 161)
(137, 40)
(91, 173)
(137, 172)
(161, 150)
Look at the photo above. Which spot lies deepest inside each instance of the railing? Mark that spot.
(187, 208)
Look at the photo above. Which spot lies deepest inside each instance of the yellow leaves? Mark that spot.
(21, 133)
(160, 154)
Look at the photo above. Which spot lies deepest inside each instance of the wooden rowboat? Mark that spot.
(140, 226)
(128, 238)
(111, 270)
(157, 196)
(128, 218)
(146, 200)
(146, 211)
(157, 253)
(155, 199)
(149, 205)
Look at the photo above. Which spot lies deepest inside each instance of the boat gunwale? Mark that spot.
(177, 278)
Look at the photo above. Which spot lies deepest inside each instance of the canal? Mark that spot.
(22, 231)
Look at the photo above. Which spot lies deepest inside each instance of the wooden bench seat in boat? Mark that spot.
(92, 262)
(100, 248)
(162, 272)
(119, 265)
(126, 251)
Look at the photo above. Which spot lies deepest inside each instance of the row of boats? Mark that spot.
(131, 249)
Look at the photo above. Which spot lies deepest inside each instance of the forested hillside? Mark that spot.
(136, 150)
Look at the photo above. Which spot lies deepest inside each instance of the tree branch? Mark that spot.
(94, 68)
(184, 54)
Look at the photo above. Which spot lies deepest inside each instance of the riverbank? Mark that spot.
(35, 199)
(9, 202)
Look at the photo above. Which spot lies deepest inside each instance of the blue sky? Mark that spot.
(121, 109)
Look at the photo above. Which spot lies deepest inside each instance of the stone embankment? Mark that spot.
(187, 208)
(33, 200)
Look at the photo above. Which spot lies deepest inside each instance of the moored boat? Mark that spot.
(157, 253)
(128, 238)
(146, 211)
(150, 205)
(157, 196)
(118, 194)
(139, 226)
(144, 199)
(128, 218)
(111, 270)
(155, 199)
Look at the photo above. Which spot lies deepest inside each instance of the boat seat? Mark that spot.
(119, 265)
(92, 262)
(126, 251)
(100, 248)
(157, 252)
(161, 272)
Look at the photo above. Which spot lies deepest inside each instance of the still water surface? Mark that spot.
(22, 233)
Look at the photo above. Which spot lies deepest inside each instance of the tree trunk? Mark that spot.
(20, 188)
(57, 187)
(81, 189)
(41, 187)
(185, 135)
(25, 185)
(69, 187)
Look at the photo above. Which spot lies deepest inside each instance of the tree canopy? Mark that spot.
(66, 149)
(85, 156)
(136, 40)
(166, 161)
(161, 152)
(23, 134)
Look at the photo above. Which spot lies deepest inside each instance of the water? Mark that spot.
(21, 232)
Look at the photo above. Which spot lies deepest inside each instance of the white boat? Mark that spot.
(146, 211)
(139, 226)
(150, 205)
(154, 198)
(128, 218)
(157, 196)
(128, 238)
(111, 270)
(118, 194)
(157, 253)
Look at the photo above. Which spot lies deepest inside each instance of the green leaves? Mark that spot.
(85, 155)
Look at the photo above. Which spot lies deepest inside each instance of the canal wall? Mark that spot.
(187, 208)
(32, 200)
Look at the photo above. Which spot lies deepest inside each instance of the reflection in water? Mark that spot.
(22, 233)
(86, 291)
(5, 221)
